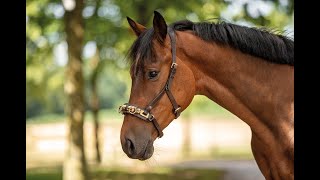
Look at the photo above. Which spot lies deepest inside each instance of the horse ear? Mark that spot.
(136, 27)
(159, 26)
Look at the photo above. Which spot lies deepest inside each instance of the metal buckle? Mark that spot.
(132, 109)
(176, 110)
(120, 110)
(144, 114)
(174, 65)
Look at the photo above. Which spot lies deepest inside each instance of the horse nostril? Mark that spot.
(130, 147)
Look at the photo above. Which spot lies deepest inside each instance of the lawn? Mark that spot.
(99, 173)
(105, 115)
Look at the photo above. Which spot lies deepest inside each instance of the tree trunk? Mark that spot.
(94, 102)
(75, 167)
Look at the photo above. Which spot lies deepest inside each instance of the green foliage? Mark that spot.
(44, 83)
(107, 28)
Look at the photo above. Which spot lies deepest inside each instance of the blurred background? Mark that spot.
(205, 142)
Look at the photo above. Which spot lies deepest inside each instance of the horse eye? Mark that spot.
(152, 74)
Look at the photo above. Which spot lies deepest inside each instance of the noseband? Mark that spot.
(145, 114)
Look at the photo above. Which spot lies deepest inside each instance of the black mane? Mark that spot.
(261, 43)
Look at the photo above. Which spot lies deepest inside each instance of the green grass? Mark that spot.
(202, 106)
(126, 174)
(231, 153)
(104, 115)
(47, 118)
(44, 174)
(222, 153)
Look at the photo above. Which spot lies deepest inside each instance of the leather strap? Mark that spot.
(145, 114)
(142, 114)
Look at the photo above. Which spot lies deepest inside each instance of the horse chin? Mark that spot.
(147, 153)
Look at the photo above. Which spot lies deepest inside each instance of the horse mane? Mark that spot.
(259, 42)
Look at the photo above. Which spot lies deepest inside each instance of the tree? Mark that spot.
(96, 67)
(44, 30)
(75, 167)
(106, 26)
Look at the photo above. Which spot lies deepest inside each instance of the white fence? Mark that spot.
(45, 143)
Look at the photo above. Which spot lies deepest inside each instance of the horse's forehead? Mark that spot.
(137, 60)
(137, 65)
(140, 61)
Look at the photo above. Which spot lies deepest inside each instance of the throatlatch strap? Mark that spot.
(157, 126)
(173, 44)
(174, 103)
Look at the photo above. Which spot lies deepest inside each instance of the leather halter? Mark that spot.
(145, 114)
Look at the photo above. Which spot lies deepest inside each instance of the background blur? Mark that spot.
(204, 134)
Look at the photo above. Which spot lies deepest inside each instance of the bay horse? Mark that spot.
(248, 71)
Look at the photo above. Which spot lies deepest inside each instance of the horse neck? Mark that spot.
(251, 88)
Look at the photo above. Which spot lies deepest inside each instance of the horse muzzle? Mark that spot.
(138, 150)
